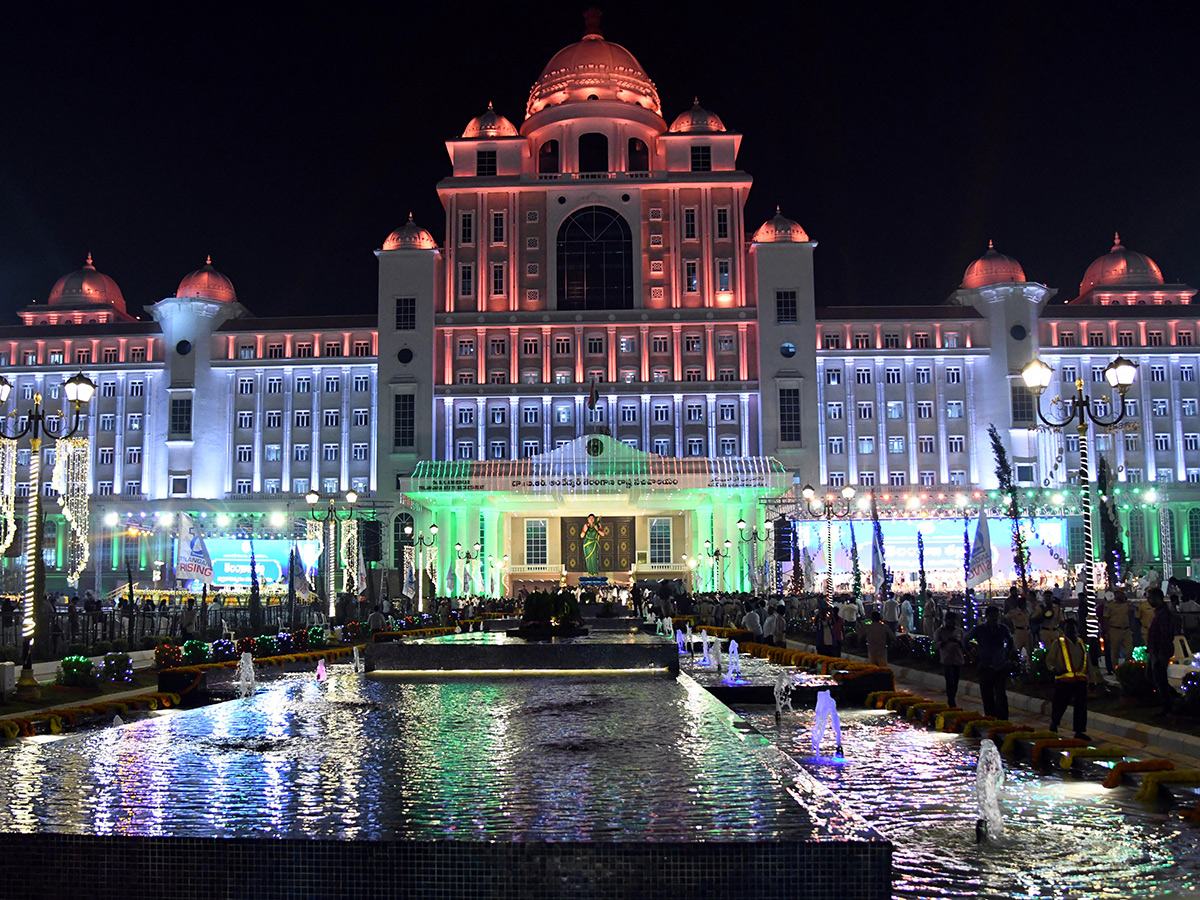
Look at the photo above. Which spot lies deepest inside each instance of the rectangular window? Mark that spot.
(896, 479)
(333, 348)
(535, 542)
(627, 376)
(954, 409)
(689, 223)
(304, 350)
(660, 343)
(691, 374)
(107, 355)
(180, 426)
(1124, 338)
(562, 414)
(702, 159)
(466, 280)
(862, 376)
(530, 448)
(924, 409)
(105, 457)
(133, 488)
(921, 340)
(789, 414)
(531, 415)
(1158, 373)
(924, 375)
(1096, 339)
(404, 414)
(499, 415)
(108, 422)
(1154, 338)
(895, 409)
(727, 411)
(562, 376)
(722, 228)
(1024, 406)
(273, 452)
(362, 348)
(137, 389)
(300, 452)
(892, 375)
(498, 279)
(1191, 442)
(303, 384)
(950, 340)
(837, 479)
(245, 385)
(497, 449)
(303, 418)
(833, 410)
(833, 376)
(1071, 442)
(245, 453)
(531, 346)
(956, 443)
(895, 444)
(723, 276)
(137, 354)
(1133, 442)
(627, 344)
(485, 163)
(1160, 407)
(695, 412)
(837, 446)
(866, 444)
(595, 345)
(891, 341)
(245, 351)
(785, 309)
(107, 389)
(274, 385)
(925, 444)
(662, 446)
(958, 477)
(866, 410)
(362, 383)
(333, 384)
(358, 452)
(466, 228)
(691, 277)
(274, 418)
(628, 413)
(465, 450)
(274, 351)
(1189, 406)
(1162, 442)
(1066, 339)
(271, 486)
(332, 418)
(866, 479)
(831, 341)
(662, 413)
(330, 452)
(692, 343)
(498, 228)
(245, 418)
(695, 446)
(1187, 373)
(927, 479)
(82, 357)
(1183, 338)
(406, 313)
(953, 375)
(726, 343)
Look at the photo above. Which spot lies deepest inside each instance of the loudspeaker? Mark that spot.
(784, 539)
(371, 536)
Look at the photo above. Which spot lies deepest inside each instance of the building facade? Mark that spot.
(600, 332)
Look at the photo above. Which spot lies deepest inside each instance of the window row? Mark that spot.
(304, 350)
(627, 413)
(466, 450)
(836, 446)
(957, 477)
(595, 345)
(81, 356)
(1125, 338)
(892, 375)
(627, 375)
(303, 384)
(894, 409)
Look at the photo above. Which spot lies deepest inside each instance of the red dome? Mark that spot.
(410, 236)
(593, 68)
(779, 230)
(1120, 267)
(86, 287)
(489, 125)
(697, 119)
(208, 284)
(992, 268)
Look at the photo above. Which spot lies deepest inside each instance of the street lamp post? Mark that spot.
(420, 558)
(469, 557)
(718, 556)
(1120, 374)
(815, 509)
(753, 540)
(330, 518)
(78, 389)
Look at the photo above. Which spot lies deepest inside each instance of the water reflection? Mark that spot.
(1063, 837)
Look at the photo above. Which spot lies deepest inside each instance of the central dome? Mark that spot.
(593, 69)
(992, 268)
(86, 286)
(1120, 267)
(206, 283)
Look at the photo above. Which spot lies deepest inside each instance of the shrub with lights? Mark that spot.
(224, 650)
(283, 642)
(1191, 693)
(1135, 682)
(265, 646)
(352, 631)
(316, 637)
(168, 656)
(195, 653)
(76, 671)
(246, 645)
(117, 668)
(299, 640)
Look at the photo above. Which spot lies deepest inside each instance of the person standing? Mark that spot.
(775, 628)
(948, 642)
(187, 620)
(878, 638)
(929, 618)
(1018, 620)
(1119, 638)
(1051, 619)
(824, 636)
(891, 613)
(906, 614)
(1160, 644)
(752, 623)
(1066, 658)
(994, 643)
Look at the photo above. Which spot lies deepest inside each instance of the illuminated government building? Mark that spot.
(601, 332)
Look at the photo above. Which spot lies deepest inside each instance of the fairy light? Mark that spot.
(31, 541)
(71, 472)
(8, 492)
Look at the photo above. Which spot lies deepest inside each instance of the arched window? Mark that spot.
(403, 535)
(639, 156)
(593, 152)
(595, 261)
(548, 158)
(1194, 529)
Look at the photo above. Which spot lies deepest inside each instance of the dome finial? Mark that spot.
(696, 100)
(208, 260)
(991, 245)
(490, 107)
(777, 210)
(1116, 239)
(591, 23)
(88, 264)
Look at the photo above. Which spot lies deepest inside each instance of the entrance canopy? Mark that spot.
(598, 464)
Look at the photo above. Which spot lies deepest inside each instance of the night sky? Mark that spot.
(287, 142)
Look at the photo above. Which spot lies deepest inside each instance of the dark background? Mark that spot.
(289, 140)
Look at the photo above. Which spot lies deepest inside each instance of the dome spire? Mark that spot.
(991, 244)
(1116, 239)
(591, 23)
(88, 264)
(208, 260)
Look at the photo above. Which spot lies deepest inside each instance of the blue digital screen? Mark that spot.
(231, 559)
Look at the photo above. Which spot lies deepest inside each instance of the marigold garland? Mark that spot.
(1117, 775)
(1152, 781)
(1039, 747)
(1104, 751)
(969, 730)
(1010, 740)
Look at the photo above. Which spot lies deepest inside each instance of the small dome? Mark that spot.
(86, 286)
(992, 268)
(207, 283)
(779, 230)
(489, 125)
(1120, 267)
(410, 236)
(696, 119)
(593, 69)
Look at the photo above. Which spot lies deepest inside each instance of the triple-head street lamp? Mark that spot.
(718, 556)
(816, 509)
(469, 558)
(421, 544)
(78, 389)
(753, 539)
(331, 517)
(1120, 374)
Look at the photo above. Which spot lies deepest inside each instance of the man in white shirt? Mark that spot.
(752, 623)
(848, 611)
(891, 613)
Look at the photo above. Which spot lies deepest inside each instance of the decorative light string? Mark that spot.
(8, 492)
(349, 556)
(71, 470)
(29, 602)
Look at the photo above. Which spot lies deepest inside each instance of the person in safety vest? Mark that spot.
(1066, 658)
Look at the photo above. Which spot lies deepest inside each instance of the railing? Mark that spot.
(593, 176)
(539, 569)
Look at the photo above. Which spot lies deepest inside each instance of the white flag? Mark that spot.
(298, 576)
(807, 568)
(360, 586)
(878, 570)
(194, 561)
(979, 569)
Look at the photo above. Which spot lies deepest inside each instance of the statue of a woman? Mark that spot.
(591, 532)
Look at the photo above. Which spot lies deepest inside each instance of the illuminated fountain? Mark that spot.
(989, 779)
(826, 711)
(706, 661)
(245, 675)
(734, 670)
(783, 695)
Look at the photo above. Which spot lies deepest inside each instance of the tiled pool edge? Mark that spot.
(184, 868)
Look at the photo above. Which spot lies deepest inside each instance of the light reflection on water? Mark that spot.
(527, 758)
(1063, 837)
